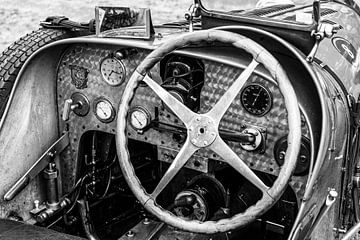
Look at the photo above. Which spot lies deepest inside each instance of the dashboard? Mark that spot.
(91, 81)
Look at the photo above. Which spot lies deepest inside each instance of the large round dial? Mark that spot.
(104, 110)
(139, 118)
(256, 99)
(113, 71)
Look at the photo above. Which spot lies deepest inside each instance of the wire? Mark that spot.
(107, 185)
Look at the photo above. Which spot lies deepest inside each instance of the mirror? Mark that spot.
(123, 22)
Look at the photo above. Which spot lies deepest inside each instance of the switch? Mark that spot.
(78, 103)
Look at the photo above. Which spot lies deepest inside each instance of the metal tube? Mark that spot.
(86, 221)
(51, 174)
(349, 234)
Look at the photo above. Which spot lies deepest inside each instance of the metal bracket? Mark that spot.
(329, 201)
(324, 30)
(194, 12)
(38, 166)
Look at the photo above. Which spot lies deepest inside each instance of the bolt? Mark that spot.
(205, 143)
(303, 158)
(282, 155)
(130, 234)
(332, 194)
(119, 55)
(146, 221)
(36, 204)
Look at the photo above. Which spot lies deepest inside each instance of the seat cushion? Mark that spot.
(12, 230)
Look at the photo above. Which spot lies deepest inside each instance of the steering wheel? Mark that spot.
(202, 132)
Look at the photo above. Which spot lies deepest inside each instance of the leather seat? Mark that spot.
(12, 230)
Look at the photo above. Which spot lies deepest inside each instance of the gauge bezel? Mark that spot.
(113, 112)
(143, 110)
(105, 79)
(270, 102)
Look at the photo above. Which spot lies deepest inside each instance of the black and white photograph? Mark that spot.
(179, 120)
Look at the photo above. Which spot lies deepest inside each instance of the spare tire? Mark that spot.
(14, 57)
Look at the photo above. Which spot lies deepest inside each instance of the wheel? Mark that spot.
(202, 132)
(14, 57)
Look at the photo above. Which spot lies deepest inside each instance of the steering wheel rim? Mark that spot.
(210, 121)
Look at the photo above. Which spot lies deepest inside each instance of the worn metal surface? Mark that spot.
(29, 129)
(38, 166)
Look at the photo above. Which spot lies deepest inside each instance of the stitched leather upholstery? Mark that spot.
(12, 230)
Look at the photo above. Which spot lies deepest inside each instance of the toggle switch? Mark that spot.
(78, 103)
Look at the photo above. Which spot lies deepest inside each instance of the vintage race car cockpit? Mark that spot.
(239, 122)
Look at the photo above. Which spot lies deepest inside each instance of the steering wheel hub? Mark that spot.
(202, 131)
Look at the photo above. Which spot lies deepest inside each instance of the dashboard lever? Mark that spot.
(69, 106)
(244, 138)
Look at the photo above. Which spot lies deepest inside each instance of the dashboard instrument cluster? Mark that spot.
(101, 74)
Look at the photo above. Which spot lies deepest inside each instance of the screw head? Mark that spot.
(130, 234)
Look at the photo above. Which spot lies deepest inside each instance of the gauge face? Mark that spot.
(139, 118)
(113, 71)
(256, 99)
(103, 110)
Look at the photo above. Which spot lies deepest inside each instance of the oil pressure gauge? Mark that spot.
(139, 118)
(103, 109)
(113, 71)
(256, 99)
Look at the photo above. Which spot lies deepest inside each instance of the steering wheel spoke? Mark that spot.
(218, 111)
(230, 157)
(187, 150)
(180, 110)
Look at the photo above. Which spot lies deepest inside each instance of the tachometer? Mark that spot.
(113, 71)
(256, 99)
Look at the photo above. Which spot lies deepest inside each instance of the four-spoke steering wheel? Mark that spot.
(202, 132)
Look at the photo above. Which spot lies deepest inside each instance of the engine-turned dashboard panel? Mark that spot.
(91, 80)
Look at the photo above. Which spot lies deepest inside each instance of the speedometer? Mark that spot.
(256, 99)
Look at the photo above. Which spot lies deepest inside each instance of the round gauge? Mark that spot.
(256, 99)
(139, 118)
(113, 71)
(104, 110)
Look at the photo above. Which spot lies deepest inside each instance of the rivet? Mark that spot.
(146, 221)
(130, 234)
